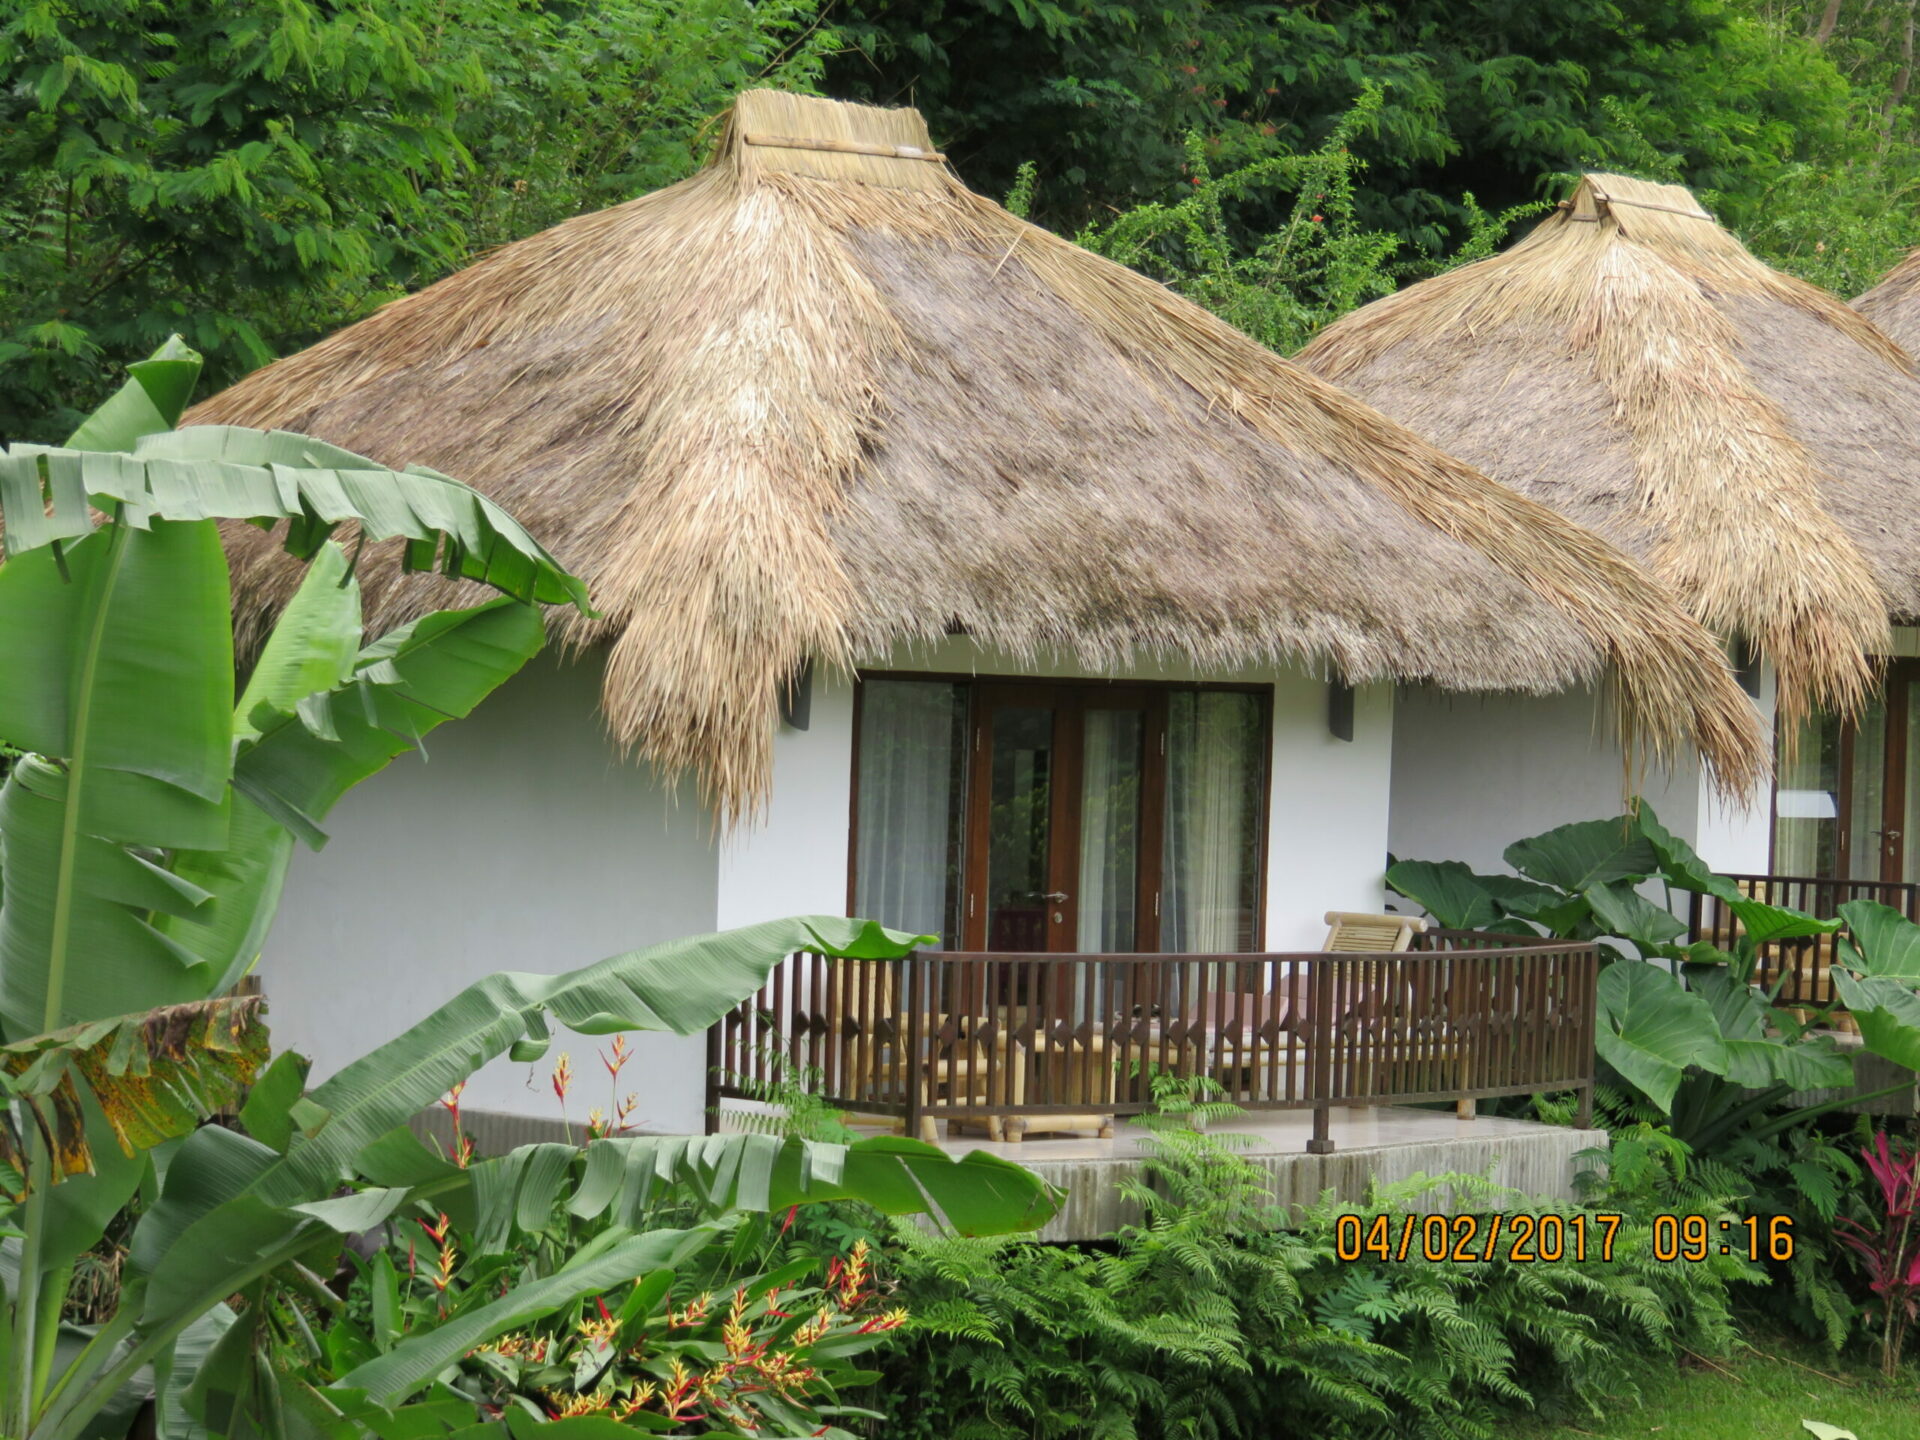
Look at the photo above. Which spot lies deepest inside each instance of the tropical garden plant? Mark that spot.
(1889, 1248)
(1704, 1065)
(1690, 1031)
(145, 830)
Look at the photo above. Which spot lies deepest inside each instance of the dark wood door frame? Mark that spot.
(1895, 763)
(1070, 704)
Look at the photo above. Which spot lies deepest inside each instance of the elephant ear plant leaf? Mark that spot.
(1651, 1029)
(1878, 979)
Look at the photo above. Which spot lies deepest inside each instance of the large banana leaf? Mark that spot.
(156, 1075)
(226, 1216)
(78, 940)
(623, 1177)
(226, 472)
(400, 688)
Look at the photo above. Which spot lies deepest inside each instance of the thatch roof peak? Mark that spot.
(1745, 434)
(1894, 304)
(820, 399)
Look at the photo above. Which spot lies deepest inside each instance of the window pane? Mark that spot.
(1216, 773)
(1806, 824)
(1020, 829)
(1866, 807)
(1112, 750)
(907, 865)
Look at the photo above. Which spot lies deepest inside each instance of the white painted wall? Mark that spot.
(521, 841)
(793, 859)
(1327, 836)
(1474, 773)
(1738, 839)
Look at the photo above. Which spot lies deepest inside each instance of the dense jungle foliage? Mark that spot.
(260, 172)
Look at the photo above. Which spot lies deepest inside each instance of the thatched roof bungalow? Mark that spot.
(1750, 439)
(822, 398)
(822, 406)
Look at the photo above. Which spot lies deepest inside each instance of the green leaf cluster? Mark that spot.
(256, 173)
(1215, 1312)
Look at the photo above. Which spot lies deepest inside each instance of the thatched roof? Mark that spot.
(821, 399)
(1894, 304)
(1751, 439)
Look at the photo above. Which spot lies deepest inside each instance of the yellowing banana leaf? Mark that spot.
(155, 1076)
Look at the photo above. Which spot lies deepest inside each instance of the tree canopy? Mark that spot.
(260, 172)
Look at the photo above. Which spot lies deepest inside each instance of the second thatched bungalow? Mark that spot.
(949, 575)
(1751, 440)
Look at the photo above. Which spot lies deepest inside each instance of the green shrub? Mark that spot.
(1212, 1318)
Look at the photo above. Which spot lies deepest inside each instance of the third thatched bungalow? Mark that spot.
(1750, 439)
(949, 575)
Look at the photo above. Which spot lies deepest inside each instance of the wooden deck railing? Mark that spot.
(1012, 1042)
(1801, 968)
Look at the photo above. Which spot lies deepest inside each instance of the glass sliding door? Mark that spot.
(1112, 769)
(1020, 773)
(1215, 822)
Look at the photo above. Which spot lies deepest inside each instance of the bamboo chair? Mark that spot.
(864, 1007)
(1354, 933)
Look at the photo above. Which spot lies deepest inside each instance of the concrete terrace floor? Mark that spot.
(1381, 1143)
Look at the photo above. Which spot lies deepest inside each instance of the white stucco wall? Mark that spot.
(1327, 837)
(1474, 773)
(1326, 846)
(521, 841)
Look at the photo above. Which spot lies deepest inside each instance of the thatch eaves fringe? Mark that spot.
(819, 400)
(1743, 433)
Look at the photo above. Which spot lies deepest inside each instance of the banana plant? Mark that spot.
(147, 822)
(144, 833)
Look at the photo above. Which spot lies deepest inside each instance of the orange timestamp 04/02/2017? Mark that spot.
(1524, 1238)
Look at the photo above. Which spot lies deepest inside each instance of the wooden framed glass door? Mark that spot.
(1848, 807)
(1058, 816)
(1063, 833)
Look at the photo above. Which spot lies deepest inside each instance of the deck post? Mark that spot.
(1321, 1143)
(1320, 1053)
(913, 1066)
(1583, 1117)
(712, 1114)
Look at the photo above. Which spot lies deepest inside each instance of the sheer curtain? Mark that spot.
(1806, 823)
(1215, 769)
(1110, 830)
(907, 855)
